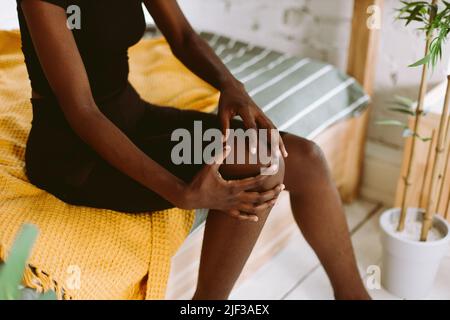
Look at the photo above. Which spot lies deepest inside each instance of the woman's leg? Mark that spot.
(228, 242)
(318, 211)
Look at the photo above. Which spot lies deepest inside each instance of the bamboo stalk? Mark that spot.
(443, 175)
(407, 177)
(447, 207)
(428, 216)
(419, 111)
(427, 171)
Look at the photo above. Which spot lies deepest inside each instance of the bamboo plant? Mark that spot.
(433, 18)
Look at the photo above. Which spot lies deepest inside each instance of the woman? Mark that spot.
(94, 142)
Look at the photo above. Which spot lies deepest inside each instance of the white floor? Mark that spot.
(295, 273)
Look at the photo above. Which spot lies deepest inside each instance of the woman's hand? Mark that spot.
(236, 197)
(234, 100)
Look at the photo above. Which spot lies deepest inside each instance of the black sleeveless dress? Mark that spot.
(57, 160)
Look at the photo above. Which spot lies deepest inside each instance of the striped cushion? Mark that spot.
(300, 95)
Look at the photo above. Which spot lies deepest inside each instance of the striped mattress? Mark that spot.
(302, 96)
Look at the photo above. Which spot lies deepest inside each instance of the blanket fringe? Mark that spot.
(39, 280)
(2, 254)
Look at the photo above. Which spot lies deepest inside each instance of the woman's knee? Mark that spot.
(305, 152)
(275, 172)
(306, 165)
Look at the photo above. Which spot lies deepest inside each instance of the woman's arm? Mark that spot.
(187, 46)
(198, 56)
(65, 71)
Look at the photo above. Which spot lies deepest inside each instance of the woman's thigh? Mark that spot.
(109, 188)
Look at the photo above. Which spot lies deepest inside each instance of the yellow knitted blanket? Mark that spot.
(85, 253)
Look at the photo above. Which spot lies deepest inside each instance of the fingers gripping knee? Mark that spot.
(242, 171)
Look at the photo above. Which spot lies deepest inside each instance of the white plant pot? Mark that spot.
(409, 266)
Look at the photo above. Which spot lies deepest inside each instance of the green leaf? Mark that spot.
(426, 139)
(394, 123)
(409, 133)
(434, 21)
(402, 110)
(49, 295)
(413, 16)
(421, 62)
(404, 101)
(11, 272)
(405, 104)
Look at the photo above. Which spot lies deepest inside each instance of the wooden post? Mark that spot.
(363, 45)
(361, 65)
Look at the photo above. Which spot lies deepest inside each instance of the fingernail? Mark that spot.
(256, 219)
(286, 154)
(283, 187)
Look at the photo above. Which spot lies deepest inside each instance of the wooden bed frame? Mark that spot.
(344, 148)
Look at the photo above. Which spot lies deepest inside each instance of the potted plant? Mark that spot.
(416, 239)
